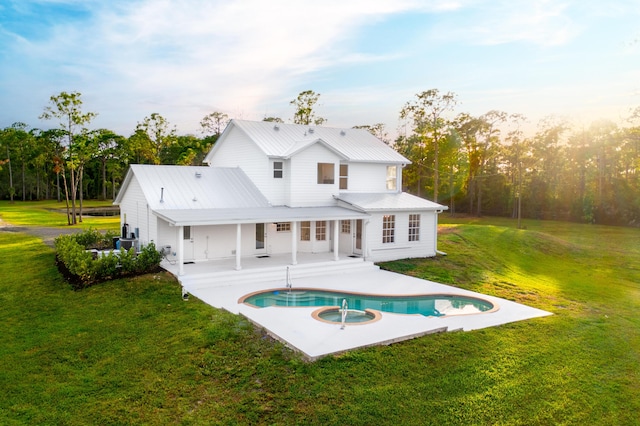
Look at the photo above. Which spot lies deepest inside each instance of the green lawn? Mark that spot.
(53, 214)
(131, 351)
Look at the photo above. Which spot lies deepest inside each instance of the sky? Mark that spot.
(184, 59)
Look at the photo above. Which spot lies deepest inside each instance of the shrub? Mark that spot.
(81, 269)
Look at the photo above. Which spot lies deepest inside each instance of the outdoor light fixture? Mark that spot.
(185, 295)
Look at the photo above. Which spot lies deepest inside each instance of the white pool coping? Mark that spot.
(315, 339)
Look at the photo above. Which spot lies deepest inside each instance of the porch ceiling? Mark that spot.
(200, 217)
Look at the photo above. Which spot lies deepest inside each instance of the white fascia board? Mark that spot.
(264, 215)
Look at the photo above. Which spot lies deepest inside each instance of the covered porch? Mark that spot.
(299, 244)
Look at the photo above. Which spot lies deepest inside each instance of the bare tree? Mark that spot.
(67, 108)
(304, 104)
(214, 123)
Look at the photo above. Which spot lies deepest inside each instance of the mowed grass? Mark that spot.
(132, 352)
(53, 214)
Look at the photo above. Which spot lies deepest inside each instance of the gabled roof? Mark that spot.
(279, 140)
(215, 196)
(384, 201)
(191, 187)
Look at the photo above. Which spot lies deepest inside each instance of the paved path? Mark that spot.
(47, 234)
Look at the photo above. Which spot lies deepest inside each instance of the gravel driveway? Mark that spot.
(48, 234)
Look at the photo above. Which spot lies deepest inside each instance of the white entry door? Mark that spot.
(188, 244)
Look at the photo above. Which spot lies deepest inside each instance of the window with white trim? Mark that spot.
(321, 230)
(305, 231)
(388, 228)
(283, 227)
(344, 176)
(326, 173)
(392, 175)
(345, 226)
(414, 227)
(277, 169)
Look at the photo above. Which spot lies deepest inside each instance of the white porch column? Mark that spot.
(294, 243)
(238, 246)
(181, 250)
(336, 240)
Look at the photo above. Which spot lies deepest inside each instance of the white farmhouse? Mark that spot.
(281, 189)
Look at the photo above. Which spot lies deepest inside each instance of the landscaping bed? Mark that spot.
(84, 259)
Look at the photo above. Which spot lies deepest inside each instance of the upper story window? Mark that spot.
(344, 176)
(283, 226)
(389, 228)
(414, 227)
(277, 169)
(326, 174)
(392, 181)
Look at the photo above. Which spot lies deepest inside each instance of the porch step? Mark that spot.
(275, 274)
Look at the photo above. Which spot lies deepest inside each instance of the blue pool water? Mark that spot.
(427, 305)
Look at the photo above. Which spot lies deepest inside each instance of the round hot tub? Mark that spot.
(333, 315)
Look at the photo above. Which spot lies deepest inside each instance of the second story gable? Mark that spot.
(298, 165)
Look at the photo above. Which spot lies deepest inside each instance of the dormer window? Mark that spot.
(277, 170)
(326, 173)
(392, 175)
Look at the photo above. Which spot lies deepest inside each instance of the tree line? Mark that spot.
(474, 164)
(487, 165)
(72, 162)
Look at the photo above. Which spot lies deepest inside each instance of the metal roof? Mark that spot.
(283, 140)
(191, 217)
(194, 188)
(384, 201)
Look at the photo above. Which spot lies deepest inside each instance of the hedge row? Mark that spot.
(77, 263)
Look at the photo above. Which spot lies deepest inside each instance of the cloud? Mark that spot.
(187, 58)
(494, 22)
(200, 53)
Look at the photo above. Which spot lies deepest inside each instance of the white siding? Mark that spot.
(135, 211)
(278, 187)
(401, 248)
(367, 177)
(167, 236)
(278, 242)
(239, 151)
(305, 190)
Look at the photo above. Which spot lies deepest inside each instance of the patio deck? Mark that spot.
(220, 286)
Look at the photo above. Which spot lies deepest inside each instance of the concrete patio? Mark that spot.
(218, 285)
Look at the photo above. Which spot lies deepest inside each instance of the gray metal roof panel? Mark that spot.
(384, 201)
(191, 187)
(280, 140)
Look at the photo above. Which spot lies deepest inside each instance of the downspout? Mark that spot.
(435, 235)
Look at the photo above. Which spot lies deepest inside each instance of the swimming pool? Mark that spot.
(435, 305)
